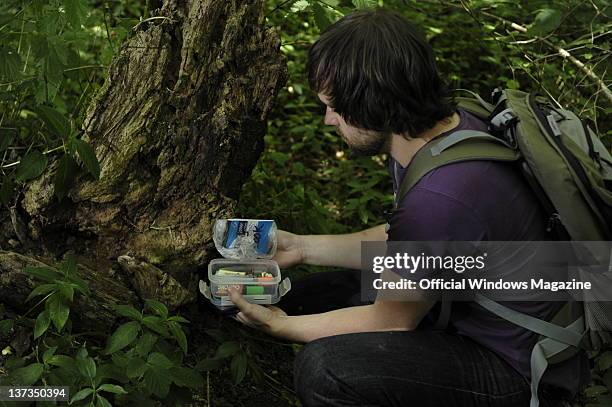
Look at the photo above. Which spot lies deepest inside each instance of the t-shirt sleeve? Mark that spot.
(426, 215)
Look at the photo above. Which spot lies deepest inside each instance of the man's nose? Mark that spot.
(331, 117)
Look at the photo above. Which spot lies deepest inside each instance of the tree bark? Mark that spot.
(177, 128)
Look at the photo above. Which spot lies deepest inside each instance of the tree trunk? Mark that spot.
(177, 129)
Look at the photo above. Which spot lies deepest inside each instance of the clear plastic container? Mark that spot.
(258, 279)
(245, 238)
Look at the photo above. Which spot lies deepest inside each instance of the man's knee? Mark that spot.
(313, 377)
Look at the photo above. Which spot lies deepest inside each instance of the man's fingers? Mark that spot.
(237, 298)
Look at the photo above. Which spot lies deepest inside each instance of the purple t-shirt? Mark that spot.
(475, 201)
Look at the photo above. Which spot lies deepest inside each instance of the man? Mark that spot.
(376, 75)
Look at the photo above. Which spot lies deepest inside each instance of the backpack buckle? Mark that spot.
(503, 118)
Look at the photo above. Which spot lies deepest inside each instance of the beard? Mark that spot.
(370, 144)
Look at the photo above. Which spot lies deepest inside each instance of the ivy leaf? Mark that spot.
(88, 158)
(55, 121)
(31, 166)
(66, 171)
(122, 337)
(27, 376)
(546, 21)
(6, 190)
(238, 367)
(179, 335)
(42, 323)
(58, 311)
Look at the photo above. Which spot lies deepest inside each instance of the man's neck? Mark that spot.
(403, 150)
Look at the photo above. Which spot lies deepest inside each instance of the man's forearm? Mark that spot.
(365, 318)
(339, 250)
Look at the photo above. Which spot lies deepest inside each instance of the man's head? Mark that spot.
(377, 76)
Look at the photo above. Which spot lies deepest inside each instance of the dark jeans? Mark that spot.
(421, 368)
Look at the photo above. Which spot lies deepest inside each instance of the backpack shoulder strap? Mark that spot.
(463, 145)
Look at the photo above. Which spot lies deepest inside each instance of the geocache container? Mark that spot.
(258, 279)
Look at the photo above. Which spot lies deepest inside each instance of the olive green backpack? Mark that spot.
(570, 171)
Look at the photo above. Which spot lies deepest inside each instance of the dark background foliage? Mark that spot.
(53, 59)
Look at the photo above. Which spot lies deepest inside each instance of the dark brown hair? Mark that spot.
(379, 73)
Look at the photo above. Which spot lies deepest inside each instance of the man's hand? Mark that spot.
(290, 249)
(266, 319)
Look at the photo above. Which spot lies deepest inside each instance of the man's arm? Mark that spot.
(339, 250)
(380, 316)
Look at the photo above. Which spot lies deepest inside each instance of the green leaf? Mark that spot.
(299, 5)
(136, 368)
(209, 364)
(157, 307)
(153, 323)
(81, 394)
(186, 377)
(102, 402)
(58, 311)
(157, 381)
(66, 291)
(42, 324)
(6, 140)
(604, 361)
(31, 166)
(63, 361)
(55, 121)
(10, 64)
(88, 158)
(42, 289)
(227, 349)
(49, 353)
(112, 388)
(27, 376)
(594, 391)
(365, 3)
(546, 21)
(179, 335)
(87, 367)
(122, 337)
(66, 171)
(321, 16)
(128, 311)
(6, 326)
(76, 12)
(217, 334)
(238, 367)
(145, 343)
(179, 319)
(43, 273)
(6, 190)
(159, 360)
